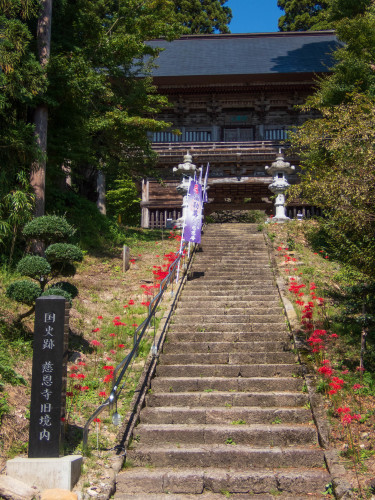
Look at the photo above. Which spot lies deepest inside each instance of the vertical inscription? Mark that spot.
(48, 387)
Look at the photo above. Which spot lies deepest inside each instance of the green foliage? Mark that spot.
(24, 291)
(34, 266)
(49, 228)
(123, 202)
(58, 262)
(303, 15)
(4, 407)
(71, 289)
(353, 72)
(203, 16)
(65, 269)
(338, 175)
(21, 78)
(92, 227)
(63, 252)
(55, 290)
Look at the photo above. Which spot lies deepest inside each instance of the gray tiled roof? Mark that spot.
(250, 54)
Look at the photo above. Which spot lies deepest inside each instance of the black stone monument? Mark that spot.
(48, 388)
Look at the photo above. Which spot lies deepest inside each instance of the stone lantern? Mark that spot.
(279, 170)
(186, 169)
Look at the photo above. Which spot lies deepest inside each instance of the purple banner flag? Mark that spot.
(193, 222)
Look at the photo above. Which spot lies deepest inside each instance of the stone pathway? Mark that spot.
(227, 413)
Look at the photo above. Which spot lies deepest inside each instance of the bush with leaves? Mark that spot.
(59, 260)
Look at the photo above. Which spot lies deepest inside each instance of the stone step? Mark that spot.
(260, 328)
(189, 336)
(250, 435)
(227, 347)
(201, 319)
(194, 303)
(226, 415)
(231, 288)
(225, 455)
(235, 384)
(212, 309)
(227, 399)
(229, 370)
(234, 282)
(213, 482)
(263, 358)
(262, 294)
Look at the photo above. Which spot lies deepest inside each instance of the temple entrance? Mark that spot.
(249, 194)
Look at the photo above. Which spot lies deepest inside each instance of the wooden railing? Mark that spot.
(173, 148)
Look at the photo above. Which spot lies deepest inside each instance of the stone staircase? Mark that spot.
(227, 414)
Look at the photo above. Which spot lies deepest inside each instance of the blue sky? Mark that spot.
(254, 16)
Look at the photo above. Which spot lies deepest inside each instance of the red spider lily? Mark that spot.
(325, 370)
(117, 318)
(318, 348)
(131, 302)
(121, 346)
(112, 351)
(108, 378)
(360, 369)
(332, 392)
(334, 336)
(357, 386)
(73, 368)
(326, 257)
(279, 249)
(85, 388)
(346, 409)
(108, 367)
(326, 362)
(63, 419)
(97, 420)
(72, 375)
(132, 261)
(96, 330)
(99, 317)
(336, 387)
(134, 325)
(345, 372)
(307, 315)
(146, 304)
(348, 419)
(81, 363)
(96, 343)
(102, 394)
(112, 335)
(125, 306)
(338, 380)
(300, 303)
(81, 376)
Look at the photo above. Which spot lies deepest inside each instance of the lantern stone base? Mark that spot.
(46, 473)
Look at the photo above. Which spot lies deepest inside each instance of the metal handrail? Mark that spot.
(124, 364)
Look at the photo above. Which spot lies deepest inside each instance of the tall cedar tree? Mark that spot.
(336, 150)
(303, 15)
(21, 79)
(203, 16)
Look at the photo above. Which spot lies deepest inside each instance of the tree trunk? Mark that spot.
(100, 187)
(38, 171)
